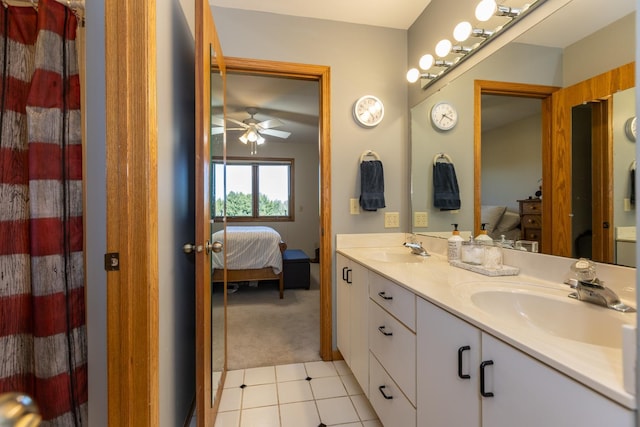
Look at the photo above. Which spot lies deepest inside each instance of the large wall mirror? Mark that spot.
(510, 163)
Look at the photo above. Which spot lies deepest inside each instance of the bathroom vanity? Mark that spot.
(432, 344)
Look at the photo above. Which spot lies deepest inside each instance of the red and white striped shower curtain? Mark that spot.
(42, 303)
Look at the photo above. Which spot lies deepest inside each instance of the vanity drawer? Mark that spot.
(398, 301)
(393, 407)
(531, 221)
(395, 347)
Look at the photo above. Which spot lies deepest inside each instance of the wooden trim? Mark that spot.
(598, 87)
(132, 212)
(524, 91)
(321, 74)
(207, 49)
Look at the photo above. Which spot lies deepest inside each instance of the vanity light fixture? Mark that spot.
(413, 75)
(462, 32)
(488, 8)
(443, 48)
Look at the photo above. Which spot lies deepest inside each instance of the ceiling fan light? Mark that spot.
(252, 135)
(260, 140)
(243, 138)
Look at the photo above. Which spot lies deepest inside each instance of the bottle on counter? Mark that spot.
(483, 237)
(454, 244)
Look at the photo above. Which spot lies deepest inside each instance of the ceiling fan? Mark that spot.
(253, 129)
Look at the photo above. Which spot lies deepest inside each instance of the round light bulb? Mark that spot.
(485, 10)
(443, 48)
(426, 61)
(413, 75)
(462, 31)
(252, 137)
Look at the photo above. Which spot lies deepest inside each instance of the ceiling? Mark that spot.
(295, 102)
(382, 13)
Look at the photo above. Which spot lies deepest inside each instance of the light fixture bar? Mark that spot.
(463, 31)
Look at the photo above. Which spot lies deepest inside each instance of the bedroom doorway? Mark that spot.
(318, 76)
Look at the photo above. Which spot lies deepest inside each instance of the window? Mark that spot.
(256, 189)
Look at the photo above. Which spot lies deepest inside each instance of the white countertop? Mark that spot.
(598, 367)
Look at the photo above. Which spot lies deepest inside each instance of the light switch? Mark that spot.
(354, 207)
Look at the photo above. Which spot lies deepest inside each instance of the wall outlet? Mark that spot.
(627, 204)
(354, 207)
(420, 219)
(391, 220)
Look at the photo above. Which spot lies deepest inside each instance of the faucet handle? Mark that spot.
(573, 283)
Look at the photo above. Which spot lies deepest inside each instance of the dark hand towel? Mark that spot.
(446, 194)
(371, 185)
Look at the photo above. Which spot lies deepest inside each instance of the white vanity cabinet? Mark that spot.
(392, 347)
(505, 386)
(351, 314)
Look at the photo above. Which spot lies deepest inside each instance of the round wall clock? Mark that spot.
(444, 116)
(368, 111)
(630, 128)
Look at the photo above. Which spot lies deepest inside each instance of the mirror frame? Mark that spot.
(523, 90)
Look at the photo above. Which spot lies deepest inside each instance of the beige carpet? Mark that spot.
(264, 330)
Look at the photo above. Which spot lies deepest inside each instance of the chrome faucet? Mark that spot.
(594, 291)
(416, 248)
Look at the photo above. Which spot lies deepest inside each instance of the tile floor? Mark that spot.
(308, 394)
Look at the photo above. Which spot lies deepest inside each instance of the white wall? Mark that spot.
(512, 162)
(176, 208)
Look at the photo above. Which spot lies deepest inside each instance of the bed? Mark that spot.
(254, 253)
(501, 221)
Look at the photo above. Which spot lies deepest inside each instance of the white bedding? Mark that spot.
(249, 247)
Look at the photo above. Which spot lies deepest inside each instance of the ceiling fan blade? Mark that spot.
(239, 123)
(268, 124)
(217, 130)
(276, 133)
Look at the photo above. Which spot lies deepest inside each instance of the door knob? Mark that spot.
(214, 247)
(189, 247)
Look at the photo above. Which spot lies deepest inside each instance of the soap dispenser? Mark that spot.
(483, 237)
(454, 244)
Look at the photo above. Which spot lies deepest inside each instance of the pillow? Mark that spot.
(491, 216)
(509, 221)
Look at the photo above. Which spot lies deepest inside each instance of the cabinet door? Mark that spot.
(528, 393)
(448, 356)
(359, 325)
(352, 301)
(344, 279)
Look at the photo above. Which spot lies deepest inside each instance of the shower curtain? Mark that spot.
(42, 303)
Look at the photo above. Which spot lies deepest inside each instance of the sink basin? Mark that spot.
(400, 257)
(552, 312)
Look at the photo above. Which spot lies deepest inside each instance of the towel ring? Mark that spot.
(369, 153)
(441, 156)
